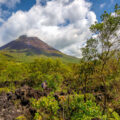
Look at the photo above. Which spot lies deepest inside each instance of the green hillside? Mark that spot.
(26, 49)
(24, 57)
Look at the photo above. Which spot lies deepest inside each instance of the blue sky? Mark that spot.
(98, 6)
(63, 24)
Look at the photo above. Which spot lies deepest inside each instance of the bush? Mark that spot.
(5, 90)
(13, 72)
(76, 109)
(71, 107)
(47, 108)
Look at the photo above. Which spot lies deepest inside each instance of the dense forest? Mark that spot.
(88, 90)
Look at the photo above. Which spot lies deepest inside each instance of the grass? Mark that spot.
(23, 57)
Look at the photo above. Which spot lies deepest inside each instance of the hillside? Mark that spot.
(31, 45)
(29, 48)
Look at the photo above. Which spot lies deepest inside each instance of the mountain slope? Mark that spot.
(29, 48)
(31, 45)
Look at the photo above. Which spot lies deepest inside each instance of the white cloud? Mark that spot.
(102, 5)
(37, 2)
(63, 24)
(9, 3)
(73, 49)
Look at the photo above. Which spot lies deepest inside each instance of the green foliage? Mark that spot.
(13, 72)
(76, 109)
(46, 105)
(54, 81)
(115, 116)
(105, 51)
(5, 90)
(89, 52)
(73, 108)
(22, 117)
(61, 77)
(52, 71)
(37, 116)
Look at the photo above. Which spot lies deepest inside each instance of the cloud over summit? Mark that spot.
(63, 24)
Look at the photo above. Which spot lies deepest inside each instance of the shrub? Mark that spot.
(47, 107)
(76, 109)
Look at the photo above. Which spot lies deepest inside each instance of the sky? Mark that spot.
(63, 24)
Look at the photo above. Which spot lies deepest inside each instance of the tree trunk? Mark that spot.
(85, 97)
(105, 101)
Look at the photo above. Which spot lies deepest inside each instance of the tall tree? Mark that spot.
(108, 43)
(89, 53)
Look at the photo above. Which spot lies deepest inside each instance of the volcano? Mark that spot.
(30, 46)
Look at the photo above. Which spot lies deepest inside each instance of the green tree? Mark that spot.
(89, 53)
(108, 44)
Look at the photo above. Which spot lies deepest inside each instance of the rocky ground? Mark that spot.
(16, 104)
